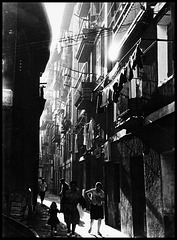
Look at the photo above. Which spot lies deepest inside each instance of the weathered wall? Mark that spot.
(168, 191)
(128, 148)
(153, 189)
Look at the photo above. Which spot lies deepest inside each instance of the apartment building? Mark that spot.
(115, 82)
(25, 46)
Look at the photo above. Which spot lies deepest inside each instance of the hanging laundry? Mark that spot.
(99, 109)
(76, 144)
(129, 72)
(132, 89)
(110, 95)
(85, 135)
(104, 98)
(122, 80)
(88, 142)
(91, 128)
(91, 134)
(125, 73)
(107, 151)
(137, 58)
(115, 93)
(106, 81)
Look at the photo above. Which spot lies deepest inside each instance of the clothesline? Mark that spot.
(136, 43)
(119, 61)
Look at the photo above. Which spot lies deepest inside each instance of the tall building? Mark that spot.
(118, 89)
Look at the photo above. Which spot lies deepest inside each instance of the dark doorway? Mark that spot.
(117, 195)
(138, 196)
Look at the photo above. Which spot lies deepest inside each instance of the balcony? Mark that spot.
(139, 108)
(56, 134)
(132, 117)
(86, 45)
(83, 101)
(164, 95)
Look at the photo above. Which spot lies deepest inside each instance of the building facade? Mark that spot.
(25, 54)
(115, 80)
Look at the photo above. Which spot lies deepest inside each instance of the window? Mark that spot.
(164, 49)
(170, 50)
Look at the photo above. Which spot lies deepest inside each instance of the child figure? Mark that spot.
(53, 219)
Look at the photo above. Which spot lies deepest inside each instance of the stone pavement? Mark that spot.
(39, 223)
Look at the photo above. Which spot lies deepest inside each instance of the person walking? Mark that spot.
(53, 219)
(42, 190)
(96, 197)
(64, 188)
(71, 214)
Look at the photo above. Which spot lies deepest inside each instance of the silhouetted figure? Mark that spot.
(53, 219)
(42, 189)
(64, 188)
(71, 214)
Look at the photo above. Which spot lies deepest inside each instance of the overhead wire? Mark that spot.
(76, 38)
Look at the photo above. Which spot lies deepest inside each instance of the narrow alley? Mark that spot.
(88, 97)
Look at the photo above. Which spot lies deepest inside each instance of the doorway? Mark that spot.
(138, 196)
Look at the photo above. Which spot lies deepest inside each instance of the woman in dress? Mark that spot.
(96, 198)
(71, 214)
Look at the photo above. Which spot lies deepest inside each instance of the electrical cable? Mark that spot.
(67, 40)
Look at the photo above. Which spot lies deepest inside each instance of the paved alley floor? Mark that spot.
(43, 229)
(38, 223)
